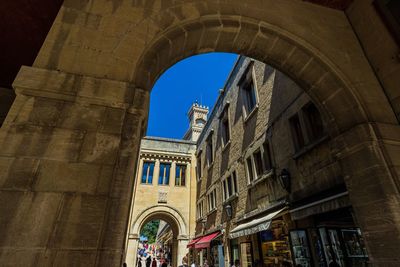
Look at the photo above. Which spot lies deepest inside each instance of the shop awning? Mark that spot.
(205, 241)
(193, 242)
(323, 205)
(254, 226)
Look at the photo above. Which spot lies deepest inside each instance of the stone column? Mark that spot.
(133, 245)
(369, 154)
(69, 146)
(172, 174)
(182, 248)
(175, 251)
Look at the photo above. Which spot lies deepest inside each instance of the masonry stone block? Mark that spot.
(194, 33)
(245, 37)
(210, 36)
(279, 52)
(112, 121)
(19, 258)
(80, 222)
(107, 258)
(27, 218)
(17, 173)
(296, 61)
(67, 258)
(100, 148)
(81, 116)
(34, 141)
(38, 111)
(59, 176)
(227, 35)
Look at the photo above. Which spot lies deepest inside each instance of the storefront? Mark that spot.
(217, 257)
(275, 249)
(262, 241)
(208, 248)
(192, 252)
(326, 235)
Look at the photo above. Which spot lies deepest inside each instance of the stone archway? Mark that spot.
(169, 215)
(71, 139)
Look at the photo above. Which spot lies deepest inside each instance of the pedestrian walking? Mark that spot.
(148, 261)
(154, 263)
(139, 262)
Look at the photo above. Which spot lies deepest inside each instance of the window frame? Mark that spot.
(200, 209)
(267, 156)
(180, 174)
(225, 128)
(311, 130)
(247, 79)
(259, 169)
(225, 186)
(150, 162)
(164, 177)
(297, 132)
(212, 205)
(257, 166)
(210, 146)
(199, 167)
(249, 169)
(306, 128)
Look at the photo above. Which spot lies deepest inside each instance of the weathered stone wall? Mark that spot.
(278, 99)
(318, 168)
(67, 162)
(379, 46)
(7, 97)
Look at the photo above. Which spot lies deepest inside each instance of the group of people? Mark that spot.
(205, 264)
(151, 262)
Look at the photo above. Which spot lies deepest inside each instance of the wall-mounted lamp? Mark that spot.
(228, 210)
(285, 179)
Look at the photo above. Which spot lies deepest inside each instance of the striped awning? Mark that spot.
(255, 226)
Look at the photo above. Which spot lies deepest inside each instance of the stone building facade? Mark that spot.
(270, 188)
(165, 188)
(165, 177)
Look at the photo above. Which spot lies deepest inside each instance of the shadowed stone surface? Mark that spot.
(84, 105)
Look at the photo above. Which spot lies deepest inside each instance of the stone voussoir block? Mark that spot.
(71, 87)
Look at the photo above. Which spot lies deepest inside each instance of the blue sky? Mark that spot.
(194, 78)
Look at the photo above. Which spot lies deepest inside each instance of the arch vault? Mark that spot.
(71, 139)
(168, 214)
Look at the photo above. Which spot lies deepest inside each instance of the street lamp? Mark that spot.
(228, 210)
(285, 179)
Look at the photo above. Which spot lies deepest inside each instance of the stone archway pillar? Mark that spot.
(369, 156)
(68, 154)
(182, 248)
(175, 252)
(133, 245)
